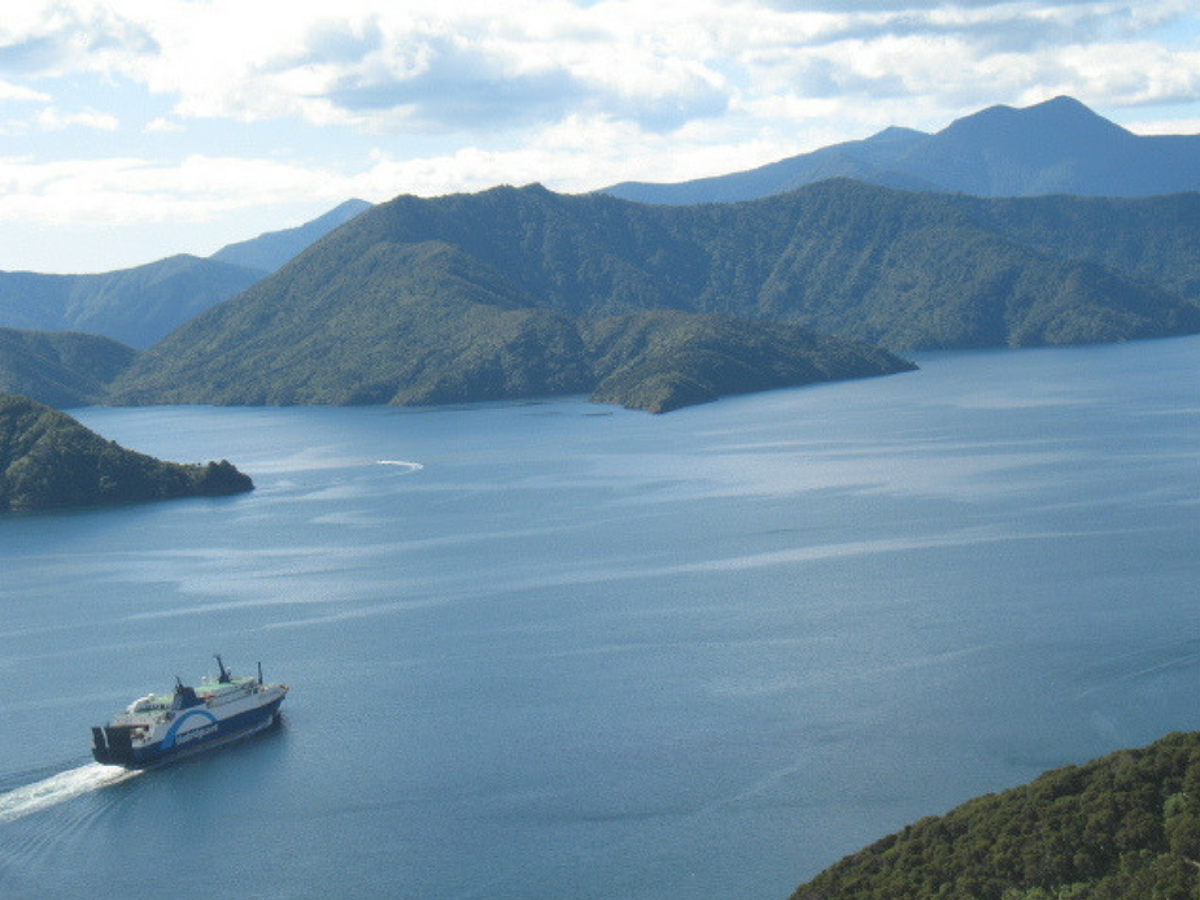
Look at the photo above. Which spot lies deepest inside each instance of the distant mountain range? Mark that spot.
(134, 306)
(524, 292)
(49, 461)
(139, 306)
(1056, 147)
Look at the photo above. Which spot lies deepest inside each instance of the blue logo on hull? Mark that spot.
(171, 738)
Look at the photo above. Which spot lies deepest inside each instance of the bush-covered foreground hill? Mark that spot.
(1124, 827)
(50, 461)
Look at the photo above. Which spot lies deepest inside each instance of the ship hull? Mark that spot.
(112, 746)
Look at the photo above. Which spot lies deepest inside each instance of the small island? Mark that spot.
(49, 461)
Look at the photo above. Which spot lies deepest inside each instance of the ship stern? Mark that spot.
(113, 746)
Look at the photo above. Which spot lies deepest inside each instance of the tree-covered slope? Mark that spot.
(1124, 827)
(426, 323)
(1154, 240)
(912, 271)
(50, 461)
(660, 361)
(59, 368)
(489, 295)
(905, 270)
(359, 329)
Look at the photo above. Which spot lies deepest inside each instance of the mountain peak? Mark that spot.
(1066, 111)
(1056, 146)
(898, 133)
(1061, 118)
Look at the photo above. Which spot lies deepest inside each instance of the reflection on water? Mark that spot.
(555, 650)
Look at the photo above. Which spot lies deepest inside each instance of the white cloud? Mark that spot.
(127, 189)
(1165, 126)
(164, 125)
(53, 119)
(460, 95)
(21, 94)
(457, 66)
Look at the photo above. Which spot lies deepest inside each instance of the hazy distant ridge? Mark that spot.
(270, 250)
(139, 306)
(1056, 147)
(134, 306)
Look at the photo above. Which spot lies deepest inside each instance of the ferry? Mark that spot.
(160, 727)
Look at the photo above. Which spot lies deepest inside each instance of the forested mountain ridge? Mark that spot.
(903, 269)
(49, 461)
(491, 283)
(1149, 240)
(1123, 827)
(426, 323)
(498, 294)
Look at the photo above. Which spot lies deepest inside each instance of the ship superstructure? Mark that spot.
(159, 727)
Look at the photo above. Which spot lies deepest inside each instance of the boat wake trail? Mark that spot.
(22, 801)
(401, 463)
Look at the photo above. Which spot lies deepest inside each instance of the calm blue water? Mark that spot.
(563, 651)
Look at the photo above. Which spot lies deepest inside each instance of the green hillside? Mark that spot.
(494, 294)
(666, 360)
(907, 270)
(59, 368)
(50, 461)
(1124, 827)
(427, 324)
(1152, 240)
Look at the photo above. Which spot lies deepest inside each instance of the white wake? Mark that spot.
(56, 789)
(411, 466)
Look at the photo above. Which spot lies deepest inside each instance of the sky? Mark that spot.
(131, 130)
